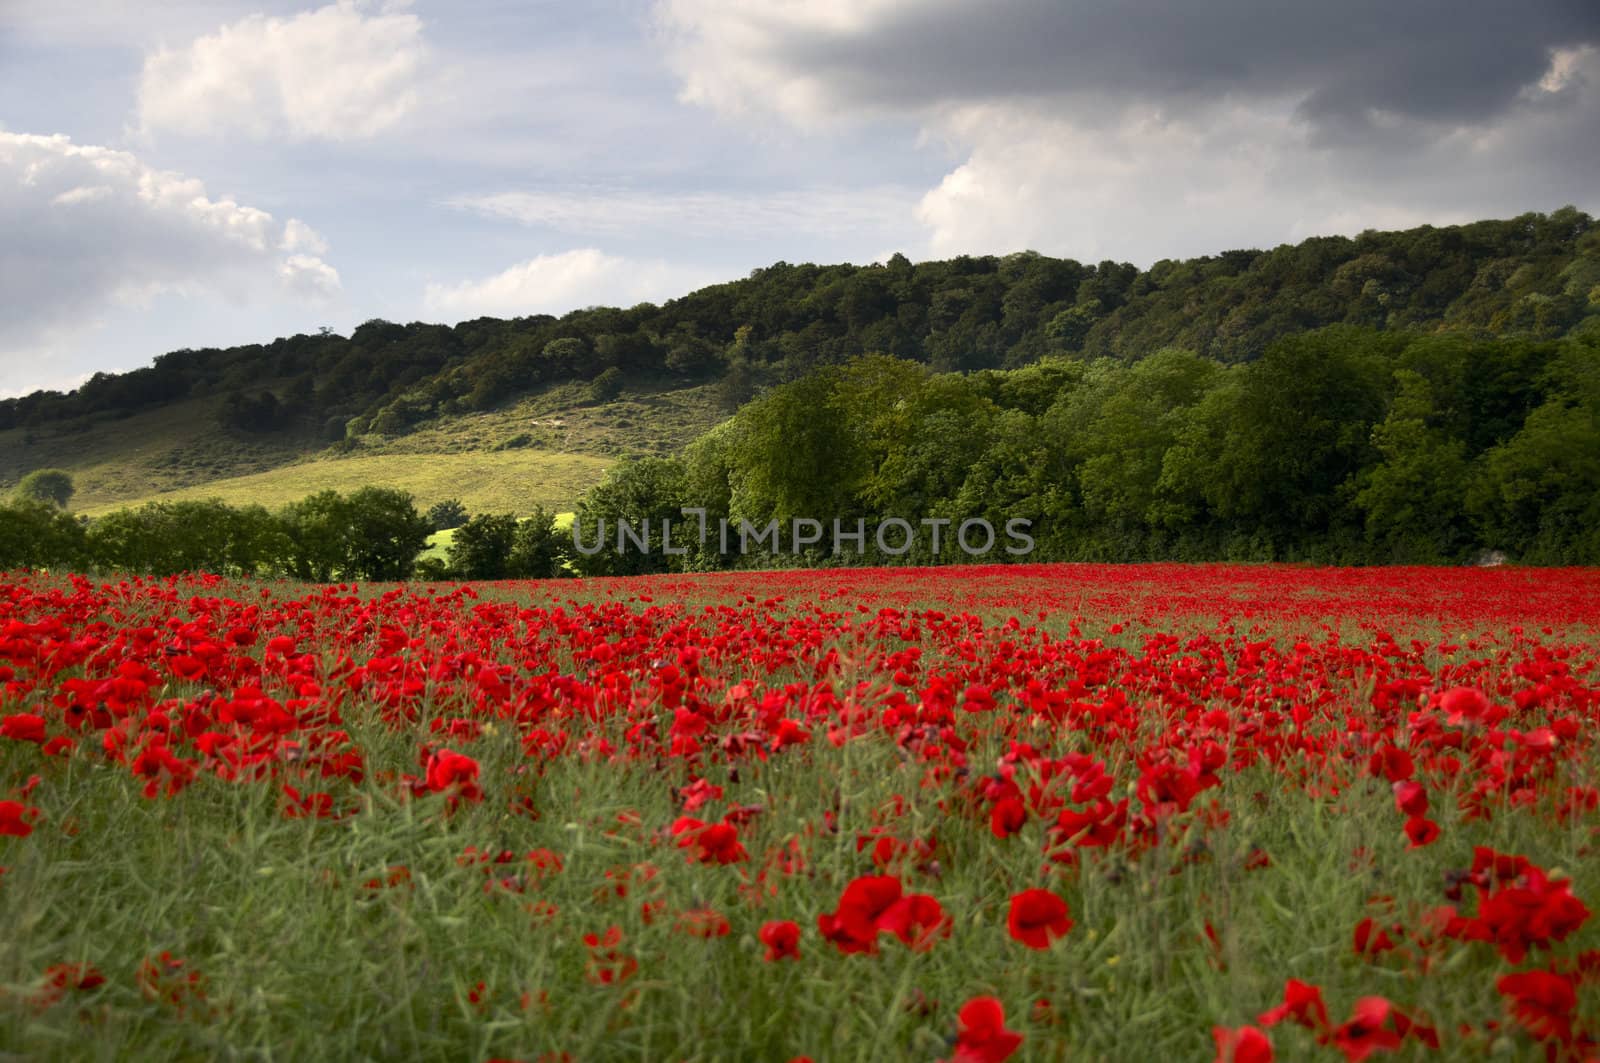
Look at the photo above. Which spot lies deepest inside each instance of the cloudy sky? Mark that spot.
(210, 172)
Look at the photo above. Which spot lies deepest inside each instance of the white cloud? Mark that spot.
(734, 55)
(308, 276)
(344, 71)
(298, 236)
(81, 194)
(556, 284)
(1566, 66)
(90, 230)
(1142, 185)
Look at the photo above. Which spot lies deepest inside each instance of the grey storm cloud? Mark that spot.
(1143, 129)
(1447, 61)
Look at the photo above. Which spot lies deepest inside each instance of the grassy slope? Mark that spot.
(511, 482)
(564, 448)
(136, 457)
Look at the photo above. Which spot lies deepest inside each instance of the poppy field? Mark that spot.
(1015, 812)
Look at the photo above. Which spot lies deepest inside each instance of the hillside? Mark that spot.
(544, 449)
(508, 414)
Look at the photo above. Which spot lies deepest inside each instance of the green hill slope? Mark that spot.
(545, 450)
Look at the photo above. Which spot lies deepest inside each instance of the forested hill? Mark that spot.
(1536, 276)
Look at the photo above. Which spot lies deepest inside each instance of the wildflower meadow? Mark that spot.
(1015, 812)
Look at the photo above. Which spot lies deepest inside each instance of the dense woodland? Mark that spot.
(1536, 276)
(1343, 445)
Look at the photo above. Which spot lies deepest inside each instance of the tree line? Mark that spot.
(1343, 445)
(1536, 276)
(373, 533)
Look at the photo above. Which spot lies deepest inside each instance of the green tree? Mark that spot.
(1537, 496)
(1277, 456)
(810, 447)
(1414, 497)
(1017, 477)
(36, 534)
(1115, 431)
(926, 443)
(642, 494)
(1068, 330)
(163, 538)
(386, 533)
(710, 467)
(448, 514)
(538, 550)
(51, 486)
(318, 536)
(606, 386)
(567, 356)
(121, 541)
(257, 543)
(738, 385)
(481, 548)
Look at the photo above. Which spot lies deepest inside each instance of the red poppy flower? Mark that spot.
(1421, 831)
(1542, 1001)
(1372, 939)
(164, 979)
(982, 1036)
(1302, 1003)
(1410, 798)
(698, 793)
(918, 921)
(1038, 917)
(865, 902)
(885, 848)
(1367, 1031)
(60, 977)
(298, 805)
(23, 727)
(1464, 704)
(978, 699)
(874, 904)
(1392, 762)
(1007, 817)
(1243, 1045)
(709, 843)
(607, 965)
(782, 939)
(455, 774)
(1530, 912)
(17, 819)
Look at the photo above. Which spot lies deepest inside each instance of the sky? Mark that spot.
(200, 173)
